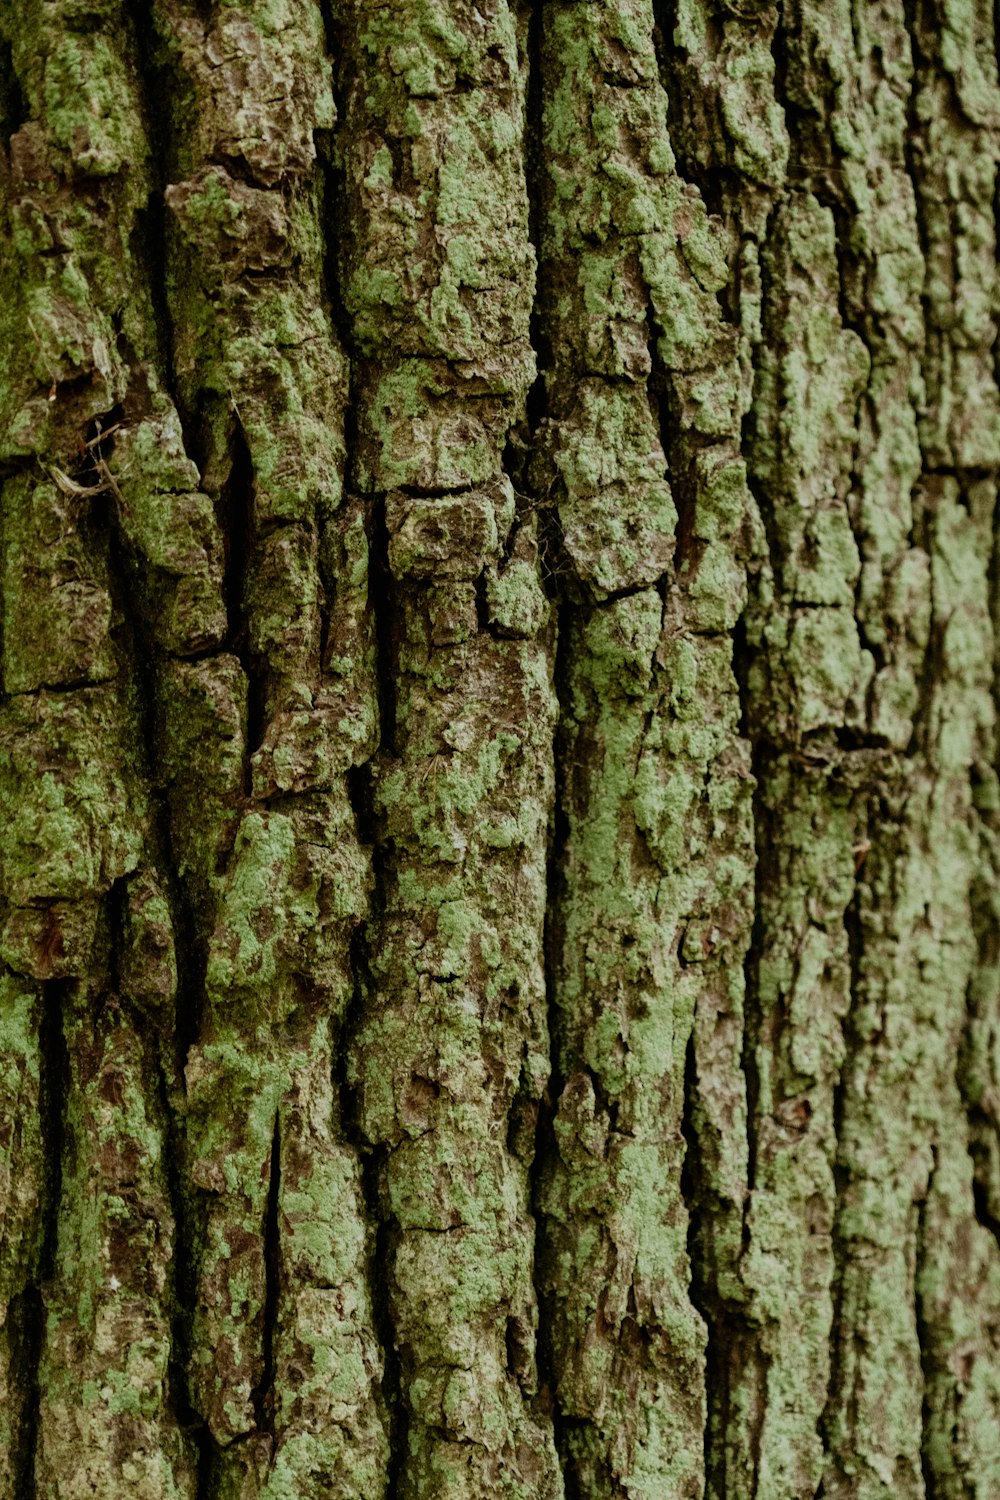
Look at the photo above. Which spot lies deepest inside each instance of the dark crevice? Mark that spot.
(397, 1413)
(13, 106)
(54, 1090)
(149, 249)
(435, 492)
(983, 1138)
(983, 1124)
(565, 1427)
(692, 111)
(854, 931)
(387, 622)
(545, 1149)
(658, 394)
(263, 1396)
(99, 443)
(684, 490)
(765, 875)
(26, 1325)
(335, 211)
(13, 464)
(749, 434)
(913, 140)
(333, 36)
(235, 508)
(742, 661)
(555, 567)
(142, 663)
(985, 1217)
(178, 1032)
(150, 239)
(117, 904)
(66, 685)
(699, 1230)
(381, 1247)
(172, 1043)
(183, 1290)
(537, 192)
(932, 1489)
(853, 317)
(371, 1161)
(733, 1348)
(384, 613)
(381, 585)
(558, 573)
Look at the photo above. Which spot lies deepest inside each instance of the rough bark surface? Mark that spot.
(500, 841)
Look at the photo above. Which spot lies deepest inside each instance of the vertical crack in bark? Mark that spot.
(974, 1063)
(550, 547)
(149, 245)
(448, 1045)
(734, 1344)
(734, 1324)
(533, 156)
(918, 822)
(932, 1489)
(396, 1409)
(143, 664)
(628, 363)
(183, 1282)
(751, 963)
(681, 94)
(681, 447)
(382, 595)
(149, 240)
(973, 1060)
(698, 1229)
(13, 111)
(27, 1312)
(235, 515)
(838, 1338)
(359, 779)
(26, 1318)
(675, 471)
(263, 1395)
(54, 1084)
(276, 462)
(546, 1147)
(380, 1249)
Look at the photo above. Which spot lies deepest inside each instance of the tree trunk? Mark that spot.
(500, 867)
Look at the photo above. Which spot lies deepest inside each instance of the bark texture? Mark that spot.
(500, 841)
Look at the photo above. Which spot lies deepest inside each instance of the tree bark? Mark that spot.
(500, 865)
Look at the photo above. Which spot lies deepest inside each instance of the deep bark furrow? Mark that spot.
(451, 1052)
(154, 957)
(799, 975)
(642, 382)
(722, 68)
(174, 549)
(540, 517)
(25, 1402)
(846, 218)
(81, 177)
(276, 868)
(956, 102)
